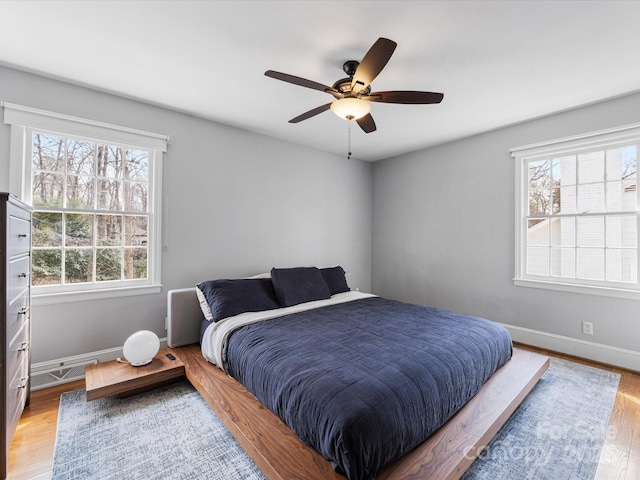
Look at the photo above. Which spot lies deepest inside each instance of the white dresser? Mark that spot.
(15, 269)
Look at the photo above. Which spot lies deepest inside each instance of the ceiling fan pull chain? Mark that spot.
(349, 142)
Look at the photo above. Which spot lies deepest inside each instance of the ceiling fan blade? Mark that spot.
(366, 123)
(405, 96)
(303, 82)
(311, 113)
(372, 64)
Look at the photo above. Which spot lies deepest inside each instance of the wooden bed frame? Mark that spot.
(282, 456)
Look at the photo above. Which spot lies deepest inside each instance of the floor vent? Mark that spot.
(59, 373)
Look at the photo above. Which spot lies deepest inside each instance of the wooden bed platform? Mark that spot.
(445, 455)
(281, 456)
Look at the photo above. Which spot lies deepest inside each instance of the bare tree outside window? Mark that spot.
(91, 211)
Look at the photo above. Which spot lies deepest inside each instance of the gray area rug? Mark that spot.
(167, 433)
(171, 433)
(557, 432)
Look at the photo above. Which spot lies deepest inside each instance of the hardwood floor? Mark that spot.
(32, 447)
(31, 450)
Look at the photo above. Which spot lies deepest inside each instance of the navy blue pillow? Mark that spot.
(226, 298)
(335, 279)
(298, 285)
(204, 324)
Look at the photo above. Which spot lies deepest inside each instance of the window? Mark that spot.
(577, 214)
(96, 192)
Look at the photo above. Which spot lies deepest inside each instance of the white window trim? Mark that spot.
(601, 139)
(22, 120)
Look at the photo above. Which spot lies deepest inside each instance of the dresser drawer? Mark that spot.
(15, 258)
(19, 276)
(19, 235)
(18, 352)
(17, 314)
(16, 397)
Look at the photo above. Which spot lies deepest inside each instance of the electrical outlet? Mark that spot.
(587, 328)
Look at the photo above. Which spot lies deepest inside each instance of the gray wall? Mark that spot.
(237, 203)
(443, 231)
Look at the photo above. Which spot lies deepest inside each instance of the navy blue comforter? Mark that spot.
(365, 382)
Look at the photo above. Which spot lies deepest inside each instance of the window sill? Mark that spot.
(582, 289)
(88, 295)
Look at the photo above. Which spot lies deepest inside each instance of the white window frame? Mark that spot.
(24, 121)
(610, 138)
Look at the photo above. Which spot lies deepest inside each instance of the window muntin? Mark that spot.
(581, 222)
(86, 167)
(91, 216)
(577, 212)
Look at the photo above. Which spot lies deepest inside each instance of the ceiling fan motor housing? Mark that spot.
(344, 84)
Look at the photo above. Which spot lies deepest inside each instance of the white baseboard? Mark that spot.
(82, 359)
(598, 352)
(620, 357)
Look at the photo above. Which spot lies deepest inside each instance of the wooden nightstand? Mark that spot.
(115, 378)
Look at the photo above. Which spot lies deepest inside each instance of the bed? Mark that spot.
(349, 374)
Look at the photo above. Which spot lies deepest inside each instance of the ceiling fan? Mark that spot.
(353, 94)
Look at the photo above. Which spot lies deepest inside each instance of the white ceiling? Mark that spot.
(497, 62)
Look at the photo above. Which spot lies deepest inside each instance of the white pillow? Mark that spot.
(261, 275)
(204, 305)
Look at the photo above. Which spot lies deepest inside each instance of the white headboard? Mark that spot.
(183, 317)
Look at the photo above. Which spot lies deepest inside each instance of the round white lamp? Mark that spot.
(140, 348)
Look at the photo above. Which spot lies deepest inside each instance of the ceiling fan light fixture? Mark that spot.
(351, 108)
